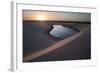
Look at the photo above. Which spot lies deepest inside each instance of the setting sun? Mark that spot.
(41, 17)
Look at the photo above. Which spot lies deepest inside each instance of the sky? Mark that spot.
(56, 16)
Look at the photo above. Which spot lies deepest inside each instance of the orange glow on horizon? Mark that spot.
(42, 17)
(36, 17)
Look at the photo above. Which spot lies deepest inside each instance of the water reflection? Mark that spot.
(60, 31)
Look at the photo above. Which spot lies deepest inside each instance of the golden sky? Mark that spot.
(55, 16)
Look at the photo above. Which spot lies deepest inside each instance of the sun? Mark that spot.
(41, 17)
